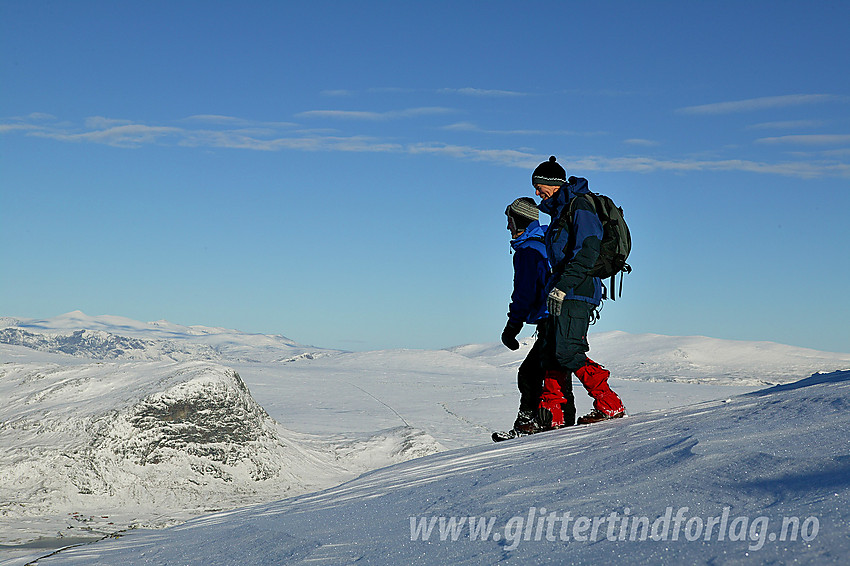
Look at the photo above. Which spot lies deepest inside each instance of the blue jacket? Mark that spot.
(573, 242)
(531, 272)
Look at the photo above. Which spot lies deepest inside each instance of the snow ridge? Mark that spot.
(117, 338)
(157, 442)
(102, 345)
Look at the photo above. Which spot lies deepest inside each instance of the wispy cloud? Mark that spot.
(470, 127)
(367, 115)
(130, 135)
(231, 121)
(760, 103)
(483, 92)
(508, 157)
(462, 127)
(787, 125)
(808, 139)
(101, 123)
(524, 159)
(230, 133)
(805, 169)
(641, 142)
(230, 140)
(8, 128)
(39, 117)
(467, 91)
(843, 152)
(29, 123)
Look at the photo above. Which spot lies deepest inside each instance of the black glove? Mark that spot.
(509, 335)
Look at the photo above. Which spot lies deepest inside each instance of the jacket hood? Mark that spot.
(554, 205)
(534, 230)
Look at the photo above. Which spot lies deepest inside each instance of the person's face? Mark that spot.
(545, 191)
(512, 228)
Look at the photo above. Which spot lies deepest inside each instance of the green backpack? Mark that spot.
(616, 241)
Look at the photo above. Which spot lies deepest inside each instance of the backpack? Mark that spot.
(616, 241)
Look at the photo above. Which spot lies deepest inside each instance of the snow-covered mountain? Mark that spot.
(689, 359)
(760, 478)
(115, 337)
(109, 424)
(100, 447)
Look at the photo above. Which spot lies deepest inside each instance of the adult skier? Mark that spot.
(528, 306)
(572, 244)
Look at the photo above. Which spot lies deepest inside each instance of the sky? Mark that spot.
(337, 172)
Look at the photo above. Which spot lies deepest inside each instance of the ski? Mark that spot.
(500, 435)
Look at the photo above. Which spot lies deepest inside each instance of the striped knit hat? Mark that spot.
(549, 173)
(523, 210)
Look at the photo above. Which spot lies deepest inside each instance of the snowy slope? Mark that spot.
(94, 448)
(688, 359)
(759, 478)
(108, 424)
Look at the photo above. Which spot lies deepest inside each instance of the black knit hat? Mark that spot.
(549, 173)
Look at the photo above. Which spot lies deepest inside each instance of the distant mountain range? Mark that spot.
(687, 359)
(650, 357)
(117, 338)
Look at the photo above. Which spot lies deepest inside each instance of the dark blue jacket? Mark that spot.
(531, 272)
(573, 242)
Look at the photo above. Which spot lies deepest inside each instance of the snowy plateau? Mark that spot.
(126, 442)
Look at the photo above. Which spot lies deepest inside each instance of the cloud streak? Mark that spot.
(808, 139)
(641, 142)
(481, 92)
(375, 116)
(470, 127)
(130, 135)
(466, 91)
(230, 121)
(231, 133)
(803, 169)
(763, 103)
(787, 125)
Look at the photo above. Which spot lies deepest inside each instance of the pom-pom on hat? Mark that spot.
(549, 173)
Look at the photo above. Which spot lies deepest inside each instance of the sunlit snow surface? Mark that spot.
(109, 424)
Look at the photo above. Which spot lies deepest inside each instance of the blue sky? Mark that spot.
(337, 172)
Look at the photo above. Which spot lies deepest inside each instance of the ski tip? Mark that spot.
(501, 435)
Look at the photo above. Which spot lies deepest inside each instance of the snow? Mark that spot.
(96, 337)
(690, 359)
(239, 448)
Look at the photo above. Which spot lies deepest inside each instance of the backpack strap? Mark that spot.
(564, 220)
(626, 269)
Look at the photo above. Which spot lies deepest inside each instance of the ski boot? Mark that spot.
(596, 415)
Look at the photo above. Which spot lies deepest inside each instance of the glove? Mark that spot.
(509, 335)
(554, 301)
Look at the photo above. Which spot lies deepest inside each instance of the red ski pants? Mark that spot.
(594, 377)
(557, 398)
(565, 350)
